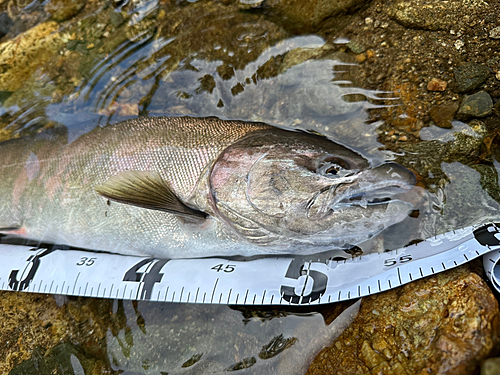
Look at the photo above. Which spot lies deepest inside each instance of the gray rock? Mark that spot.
(5, 24)
(116, 18)
(470, 75)
(476, 105)
(356, 47)
(495, 33)
(306, 15)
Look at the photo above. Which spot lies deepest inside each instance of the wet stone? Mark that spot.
(495, 33)
(306, 15)
(116, 18)
(436, 84)
(443, 324)
(5, 24)
(356, 47)
(244, 363)
(491, 366)
(62, 359)
(432, 14)
(479, 104)
(62, 10)
(469, 76)
(443, 114)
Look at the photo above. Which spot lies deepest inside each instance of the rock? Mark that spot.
(116, 18)
(436, 84)
(360, 58)
(479, 127)
(25, 55)
(62, 359)
(476, 105)
(5, 24)
(443, 324)
(36, 332)
(443, 114)
(495, 33)
(491, 366)
(62, 10)
(470, 75)
(356, 47)
(249, 4)
(432, 14)
(306, 15)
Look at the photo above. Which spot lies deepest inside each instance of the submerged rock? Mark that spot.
(443, 324)
(62, 10)
(479, 104)
(443, 114)
(470, 76)
(432, 14)
(302, 15)
(62, 359)
(5, 24)
(436, 84)
(491, 366)
(28, 53)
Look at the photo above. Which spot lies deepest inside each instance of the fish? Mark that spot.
(187, 187)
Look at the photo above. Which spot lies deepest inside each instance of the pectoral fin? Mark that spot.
(147, 190)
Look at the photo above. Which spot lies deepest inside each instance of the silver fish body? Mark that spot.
(186, 187)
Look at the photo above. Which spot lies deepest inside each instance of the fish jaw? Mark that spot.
(356, 207)
(372, 187)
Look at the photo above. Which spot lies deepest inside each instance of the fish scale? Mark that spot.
(53, 191)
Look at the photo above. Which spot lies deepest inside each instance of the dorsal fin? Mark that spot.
(145, 189)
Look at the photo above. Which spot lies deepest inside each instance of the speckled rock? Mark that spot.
(62, 359)
(479, 104)
(25, 55)
(62, 10)
(27, 321)
(39, 330)
(432, 14)
(470, 76)
(444, 324)
(437, 84)
(491, 366)
(443, 114)
(307, 15)
(495, 33)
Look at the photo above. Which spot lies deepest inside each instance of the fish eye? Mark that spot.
(332, 170)
(332, 166)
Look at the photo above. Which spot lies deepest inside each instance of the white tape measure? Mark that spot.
(267, 281)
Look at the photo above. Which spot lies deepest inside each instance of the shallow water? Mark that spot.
(235, 66)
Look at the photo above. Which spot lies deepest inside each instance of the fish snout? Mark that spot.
(375, 186)
(390, 171)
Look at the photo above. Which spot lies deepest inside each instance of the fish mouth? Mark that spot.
(374, 189)
(377, 187)
(375, 197)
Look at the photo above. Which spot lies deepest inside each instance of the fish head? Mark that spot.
(283, 188)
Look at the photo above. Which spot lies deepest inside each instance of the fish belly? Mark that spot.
(47, 188)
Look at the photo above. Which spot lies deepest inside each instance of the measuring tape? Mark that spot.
(267, 281)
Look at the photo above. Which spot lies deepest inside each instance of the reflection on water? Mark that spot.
(176, 338)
